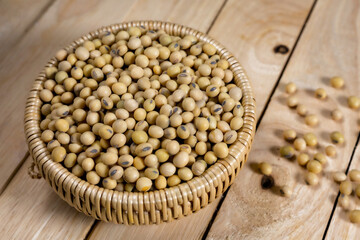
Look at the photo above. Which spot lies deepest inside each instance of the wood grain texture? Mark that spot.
(252, 29)
(249, 212)
(17, 16)
(30, 209)
(62, 23)
(196, 14)
(340, 225)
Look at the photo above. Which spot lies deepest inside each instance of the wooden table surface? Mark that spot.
(306, 42)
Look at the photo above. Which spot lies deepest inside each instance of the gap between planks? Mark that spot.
(285, 65)
(338, 195)
(37, 18)
(216, 16)
(263, 113)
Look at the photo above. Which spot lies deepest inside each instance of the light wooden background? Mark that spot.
(322, 38)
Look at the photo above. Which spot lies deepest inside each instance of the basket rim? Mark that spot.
(42, 158)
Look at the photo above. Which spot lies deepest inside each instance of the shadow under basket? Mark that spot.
(142, 208)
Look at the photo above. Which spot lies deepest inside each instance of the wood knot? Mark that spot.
(282, 49)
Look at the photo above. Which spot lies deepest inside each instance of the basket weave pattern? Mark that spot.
(153, 206)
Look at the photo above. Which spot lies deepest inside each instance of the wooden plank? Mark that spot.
(252, 29)
(16, 17)
(199, 221)
(62, 23)
(327, 47)
(30, 209)
(192, 13)
(70, 27)
(340, 225)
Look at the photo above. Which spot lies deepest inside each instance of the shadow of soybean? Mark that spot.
(342, 100)
(275, 150)
(325, 136)
(325, 80)
(254, 167)
(309, 92)
(326, 113)
(278, 133)
(282, 86)
(282, 100)
(300, 119)
(300, 178)
(276, 190)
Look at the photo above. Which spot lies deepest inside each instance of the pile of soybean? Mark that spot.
(314, 164)
(139, 110)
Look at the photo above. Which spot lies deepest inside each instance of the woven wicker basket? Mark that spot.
(154, 206)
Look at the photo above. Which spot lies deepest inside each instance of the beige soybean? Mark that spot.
(337, 82)
(58, 154)
(181, 159)
(139, 137)
(336, 115)
(353, 102)
(339, 177)
(265, 168)
(286, 191)
(346, 187)
(290, 88)
(116, 172)
(289, 135)
(310, 139)
(354, 175)
(330, 151)
(185, 174)
(357, 191)
(287, 152)
(300, 144)
(143, 184)
(301, 110)
(344, 201)
(173, 147)
(221, 150)
(92, 177)
(292, 101)
(109, 183)
(320, 157)
(167, 169)
(198, 167)
(320, 93)
(314, 166)
(337, 137)
(354, 216)
(131, 174)
(303, 159)
(173, 180)
(151, 173)
(311, 178)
